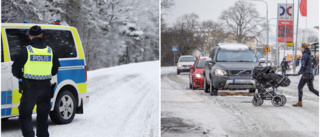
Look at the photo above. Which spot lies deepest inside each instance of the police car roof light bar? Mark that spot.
(25, 21)
(57, 22)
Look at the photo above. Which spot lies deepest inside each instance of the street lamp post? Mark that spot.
(266, 24)
(277, 52)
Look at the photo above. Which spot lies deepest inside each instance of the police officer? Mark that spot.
(306, 71)
(35, 65)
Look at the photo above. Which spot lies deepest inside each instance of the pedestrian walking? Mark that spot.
(35, 66)
(306, 71)
(297, 61)
(314, 65)
(284, 66)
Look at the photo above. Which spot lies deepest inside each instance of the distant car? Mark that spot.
(230, 66)
(184, 63)
(196, 73)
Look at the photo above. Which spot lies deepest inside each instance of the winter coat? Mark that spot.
(297, 61)
(314, 63)
(306, 66)
(20, 61)
(284, 65)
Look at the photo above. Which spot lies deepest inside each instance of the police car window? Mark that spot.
(17, 39)
(61, 41)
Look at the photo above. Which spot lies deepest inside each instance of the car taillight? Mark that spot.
(85, 69)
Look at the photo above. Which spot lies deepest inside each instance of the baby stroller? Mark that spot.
(266, 78)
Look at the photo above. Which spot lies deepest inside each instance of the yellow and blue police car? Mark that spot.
(70, 92)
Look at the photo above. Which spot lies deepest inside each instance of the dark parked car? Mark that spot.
(230, 66)
(196, 73)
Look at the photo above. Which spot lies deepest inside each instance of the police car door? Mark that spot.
(6, 80)
(14, 40)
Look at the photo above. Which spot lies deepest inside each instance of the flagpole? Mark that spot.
(295, 51)
(306, 37)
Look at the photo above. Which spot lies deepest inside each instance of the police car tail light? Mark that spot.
(57, 22)
(85, 69)
(25, 21)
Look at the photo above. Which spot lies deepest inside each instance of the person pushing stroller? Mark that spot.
(307, 75)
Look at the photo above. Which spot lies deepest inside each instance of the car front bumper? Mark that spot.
(198, 82)
(183, 69)
(234, 82)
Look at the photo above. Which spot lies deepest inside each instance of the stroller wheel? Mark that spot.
(261, 102)
(277, 101)
(257, 101)
(284, 100)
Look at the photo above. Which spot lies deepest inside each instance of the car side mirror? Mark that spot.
(191, 67)
(210, 61)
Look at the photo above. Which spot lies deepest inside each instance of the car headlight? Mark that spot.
(198, 76)
(179, 65)
(220, 72)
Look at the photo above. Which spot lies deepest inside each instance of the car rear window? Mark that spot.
(236, 56)
(187, 59)
(201, 63)
(61, 41)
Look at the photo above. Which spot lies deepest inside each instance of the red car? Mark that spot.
(196, 73)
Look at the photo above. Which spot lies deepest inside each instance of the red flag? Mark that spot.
(303, 7)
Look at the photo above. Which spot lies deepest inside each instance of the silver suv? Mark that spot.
(230, 66)
(184, 63)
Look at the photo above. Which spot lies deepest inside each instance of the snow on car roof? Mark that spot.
(233, 46)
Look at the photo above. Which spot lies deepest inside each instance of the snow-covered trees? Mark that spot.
(109, 29)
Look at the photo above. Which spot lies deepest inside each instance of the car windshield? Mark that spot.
(187, 59)
(236, 56)
(201, 63)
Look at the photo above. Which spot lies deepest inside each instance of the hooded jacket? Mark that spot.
(306, 66)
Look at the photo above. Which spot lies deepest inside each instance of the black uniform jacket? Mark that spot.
(20, 61)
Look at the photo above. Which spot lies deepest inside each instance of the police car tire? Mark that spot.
(56, 115)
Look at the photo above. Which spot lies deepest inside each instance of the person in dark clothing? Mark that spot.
(297, 61)
(306, 71)
(35, 66)
(314, 65)
(284, 66)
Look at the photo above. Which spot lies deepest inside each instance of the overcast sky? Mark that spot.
(212, 9)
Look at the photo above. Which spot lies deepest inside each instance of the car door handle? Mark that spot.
(4, 66)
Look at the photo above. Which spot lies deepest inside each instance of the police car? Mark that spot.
(70, 92)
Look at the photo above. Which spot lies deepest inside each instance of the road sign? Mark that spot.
(174, 48)
(258, 54)
(266, 49)
(285, 11)
(203, 53)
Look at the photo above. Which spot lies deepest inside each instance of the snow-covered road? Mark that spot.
(124, 102)
(186, 112)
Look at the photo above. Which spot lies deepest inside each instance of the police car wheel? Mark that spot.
(64, 109)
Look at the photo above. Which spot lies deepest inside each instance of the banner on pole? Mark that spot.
(303, 8)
